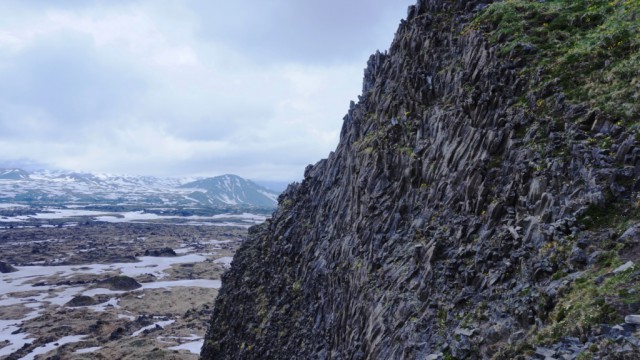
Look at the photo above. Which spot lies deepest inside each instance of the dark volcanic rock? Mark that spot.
(81, 300)
(449, 221)
(166, 251)
(120, 282)
(6, 268)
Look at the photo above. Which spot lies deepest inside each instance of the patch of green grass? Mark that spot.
(287, 203)
(591, 300)
(592, 47)
(616, 216)
(296, 288)
(406, 151)
(441, 317)
(587, 355)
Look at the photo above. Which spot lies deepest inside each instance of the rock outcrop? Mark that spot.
(120, 283)
(6, 268)
(457, 218)
(81, 300)
(162, 252)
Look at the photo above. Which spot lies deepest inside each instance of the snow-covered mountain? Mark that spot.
(13, 174)
(231, 189)
(68, 188)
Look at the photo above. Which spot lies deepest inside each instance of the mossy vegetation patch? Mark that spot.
(592, 47)
(595, 298)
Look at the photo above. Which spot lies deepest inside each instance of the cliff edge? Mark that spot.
(482, 201)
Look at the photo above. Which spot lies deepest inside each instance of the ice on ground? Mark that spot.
(152, 326)
(34, 305)
(215, 242)
(63, 297)
(88, 350)
(102, 291)
(134, 216)
(11, 206)
(128, 317)
(16, 341)
(245, 216)
(19, 281)
(131, 216)
(193, 347)
(103, 307)
(53, 345)
(173, 339)
(53, 213)
(159, 265)
(226, 261)
(10, 330)
(11, 219)
(12, 301)
(202, 283)
(18, 288)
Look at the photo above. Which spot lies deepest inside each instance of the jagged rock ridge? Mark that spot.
(455, 218)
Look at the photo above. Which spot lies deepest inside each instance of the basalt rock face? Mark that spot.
(433, 229)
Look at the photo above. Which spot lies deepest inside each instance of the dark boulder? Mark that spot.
(120, 282)
(166, 251)
(6, 268)
(81, 300)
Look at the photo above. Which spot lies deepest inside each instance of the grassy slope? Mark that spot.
(591, 46)
(591, 49)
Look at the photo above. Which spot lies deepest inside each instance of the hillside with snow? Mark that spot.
(47, 187)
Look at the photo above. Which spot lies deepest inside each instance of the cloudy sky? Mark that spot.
(256, 88)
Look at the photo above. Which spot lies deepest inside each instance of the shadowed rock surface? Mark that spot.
(6, 268)
(166, 251)
(81, 300)
(120, 282)
(457, 218)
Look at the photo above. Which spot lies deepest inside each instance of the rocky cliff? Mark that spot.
(476, 206)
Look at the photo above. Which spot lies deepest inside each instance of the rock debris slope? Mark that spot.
(469, 211)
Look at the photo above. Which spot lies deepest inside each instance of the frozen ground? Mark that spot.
(52, 213)
(167, 314)
(14, 285)
(193, 347)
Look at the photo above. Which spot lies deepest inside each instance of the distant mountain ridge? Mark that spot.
(232, 190)
(13, 174)
(45, 187)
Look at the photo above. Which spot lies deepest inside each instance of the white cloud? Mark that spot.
(182, 87)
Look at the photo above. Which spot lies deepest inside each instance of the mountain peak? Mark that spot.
(232, 190)
(64, 187)
(13, 174)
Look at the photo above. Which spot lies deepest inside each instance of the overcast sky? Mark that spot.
(256, 88)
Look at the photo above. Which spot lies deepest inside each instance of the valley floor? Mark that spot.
(165, 318)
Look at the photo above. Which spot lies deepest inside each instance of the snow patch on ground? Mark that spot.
(103, 307)
(226, 261)
(215, 242)
(53, 345)
(20, 280)
(88, 350)
(17, 340)
(193, 347)
(152, 326)
(209, 284)
(11, 206)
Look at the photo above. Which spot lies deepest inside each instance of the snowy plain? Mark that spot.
(26, 286)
